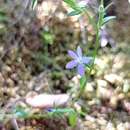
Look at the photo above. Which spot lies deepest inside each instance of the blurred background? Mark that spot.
(33, 55)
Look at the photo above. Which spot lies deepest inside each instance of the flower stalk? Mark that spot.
(97, 24)
(97, 43)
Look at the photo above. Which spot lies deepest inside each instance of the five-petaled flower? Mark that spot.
(78, 61)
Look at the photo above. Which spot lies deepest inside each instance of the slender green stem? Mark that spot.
(92, 66)
(102, 2)
(98, 26)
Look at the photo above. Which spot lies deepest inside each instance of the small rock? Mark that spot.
(10, 82)
(22, 92)
(110, 126)
(127, 125)
(94, 101)
(114, 101)
(102, 127)
(1, 78)
(6, 68)
(1, 47)
(113, 78)
(121, 96)
(102, 83)
(121, 126)
(104, 110)
(126, 105)
(126, 86)
(47, 100)
(94, 126)
(89, 91)
(15, 77)
(101, 121)
(103, 92)
(75, 80)
(88, 123)
(90, 118)
(89, 87)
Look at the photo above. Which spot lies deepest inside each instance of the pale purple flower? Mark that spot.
(79, 61)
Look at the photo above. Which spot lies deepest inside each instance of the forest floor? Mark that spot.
(33, 55)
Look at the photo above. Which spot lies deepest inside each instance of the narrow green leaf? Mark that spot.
(107, 19)
(20, 112)
(101, 15)
(34, 4)
(62, 110)
(3, 18)
(70, 2)
(73, 13)
(73, 119)
(73, 4)
(108, 6)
